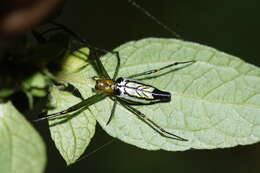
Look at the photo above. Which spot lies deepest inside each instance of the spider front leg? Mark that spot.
(117, 65)
(159, 69)
(101, 67)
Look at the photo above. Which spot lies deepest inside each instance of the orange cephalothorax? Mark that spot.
(105, 86)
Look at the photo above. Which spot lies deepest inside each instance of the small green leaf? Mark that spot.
(73, 133)
(35, 85)
(22, 150)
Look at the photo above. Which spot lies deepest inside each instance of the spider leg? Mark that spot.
(112, 111)
(117, 65)
(151, 123)
(98, 66)
(159, 69)
(85, 103)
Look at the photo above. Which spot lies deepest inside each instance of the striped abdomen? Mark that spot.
(137, 92)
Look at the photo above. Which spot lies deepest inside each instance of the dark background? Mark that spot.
(231, 26)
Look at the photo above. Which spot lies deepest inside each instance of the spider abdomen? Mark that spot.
(137, 92)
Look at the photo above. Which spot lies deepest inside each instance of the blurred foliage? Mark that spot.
(22, 65)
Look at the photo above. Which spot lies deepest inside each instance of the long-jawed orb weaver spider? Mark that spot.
(127, 92)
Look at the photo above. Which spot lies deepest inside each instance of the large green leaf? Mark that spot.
(215, 101)
(22, 149)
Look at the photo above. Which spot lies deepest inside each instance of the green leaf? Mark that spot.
(5, 92)
(72, 134)
(22, 150)
(35, 85)
(215, 101)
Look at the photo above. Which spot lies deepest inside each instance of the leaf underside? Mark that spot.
(71, 134)
(215, 101)
(22, 150)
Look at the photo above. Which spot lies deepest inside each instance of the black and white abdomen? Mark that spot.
(136, 92)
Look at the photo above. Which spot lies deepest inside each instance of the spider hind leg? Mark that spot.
(151, 123)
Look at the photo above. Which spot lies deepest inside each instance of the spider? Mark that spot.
(124, 90)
